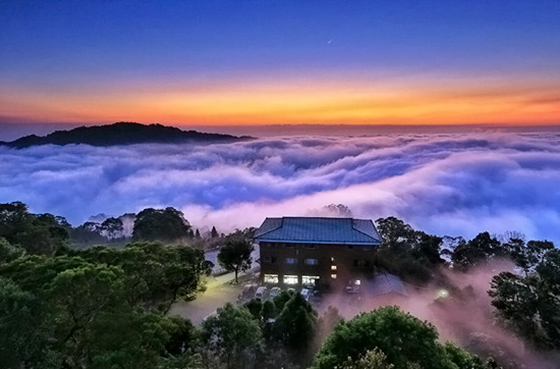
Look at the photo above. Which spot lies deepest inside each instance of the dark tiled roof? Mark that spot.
(385, 283)
(318, 230)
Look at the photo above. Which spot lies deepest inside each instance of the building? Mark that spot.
(386, 284)
(321, 252)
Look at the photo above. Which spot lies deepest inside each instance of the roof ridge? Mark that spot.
(304, 217)
(362, 232)
(280, 225)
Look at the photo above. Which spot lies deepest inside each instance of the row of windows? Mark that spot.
(291, 279)
(310, 261)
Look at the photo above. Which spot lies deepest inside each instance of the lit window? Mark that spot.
(333, 276)
(333, 267)
(291, 261)
(332, 259)
(309, 280)
(270, 278)
(311, 261)
(290, 279)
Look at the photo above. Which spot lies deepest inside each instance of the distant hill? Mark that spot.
(121, 133)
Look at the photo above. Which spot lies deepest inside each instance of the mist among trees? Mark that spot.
(109, 306)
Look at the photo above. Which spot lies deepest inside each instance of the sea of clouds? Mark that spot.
(445, 184)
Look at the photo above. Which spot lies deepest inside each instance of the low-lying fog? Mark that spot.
(444, 184)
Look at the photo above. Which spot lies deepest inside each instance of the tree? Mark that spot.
(530, 305)
(403, 338)
(462, 358)
(477, 251)
(235, 254)
(111, 228)
(528, 256)
(326, 323)
(24, 341)
(14, 217)
(428, 249)
(372, 359)
(157, 275)
(166, 224)
(411, 254)
(395, 233)
(9, 252)
(338, 210)
(133, 339)
(87, 234)
(295, 327)
(74, 312)
(232, 337)
(37, 234)
(214, 233)
(78, 298)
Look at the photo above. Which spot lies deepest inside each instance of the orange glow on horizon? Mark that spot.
(422, 101)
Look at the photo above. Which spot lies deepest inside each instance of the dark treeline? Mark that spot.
(107, 307)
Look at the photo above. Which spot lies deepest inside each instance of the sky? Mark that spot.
(227, 63)
(454, 184)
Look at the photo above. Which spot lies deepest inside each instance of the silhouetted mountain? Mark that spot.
(121, 133)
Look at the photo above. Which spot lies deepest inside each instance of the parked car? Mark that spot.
(274, 291)
(305, 293)
(353, 286)
(261, 292)
(249, 289)
(247, 293)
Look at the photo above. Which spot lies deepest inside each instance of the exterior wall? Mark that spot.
(335, 265)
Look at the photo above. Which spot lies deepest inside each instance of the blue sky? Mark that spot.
(58, 51)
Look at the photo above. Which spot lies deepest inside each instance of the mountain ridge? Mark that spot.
(122, 133)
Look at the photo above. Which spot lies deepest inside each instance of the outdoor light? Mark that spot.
(442, 293)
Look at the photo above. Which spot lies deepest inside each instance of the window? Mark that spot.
(310, 246)
(269, 259)
(291, 261)
(289, 245)
(271, 278)
(311, 261)
(350, 246)
(290, 279)
(333, 276)
(333, 267)
(307, 280)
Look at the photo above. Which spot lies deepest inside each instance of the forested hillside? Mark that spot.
(109, 307)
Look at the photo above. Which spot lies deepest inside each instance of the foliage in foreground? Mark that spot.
(403, 339)
(99, 308)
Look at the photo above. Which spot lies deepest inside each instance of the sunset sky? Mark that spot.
(280, 62)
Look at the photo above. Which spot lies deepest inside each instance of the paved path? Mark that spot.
(219, 291)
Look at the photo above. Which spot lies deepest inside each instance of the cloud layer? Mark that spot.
(445, 184)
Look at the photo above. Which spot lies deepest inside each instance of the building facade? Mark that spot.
(311, 251)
